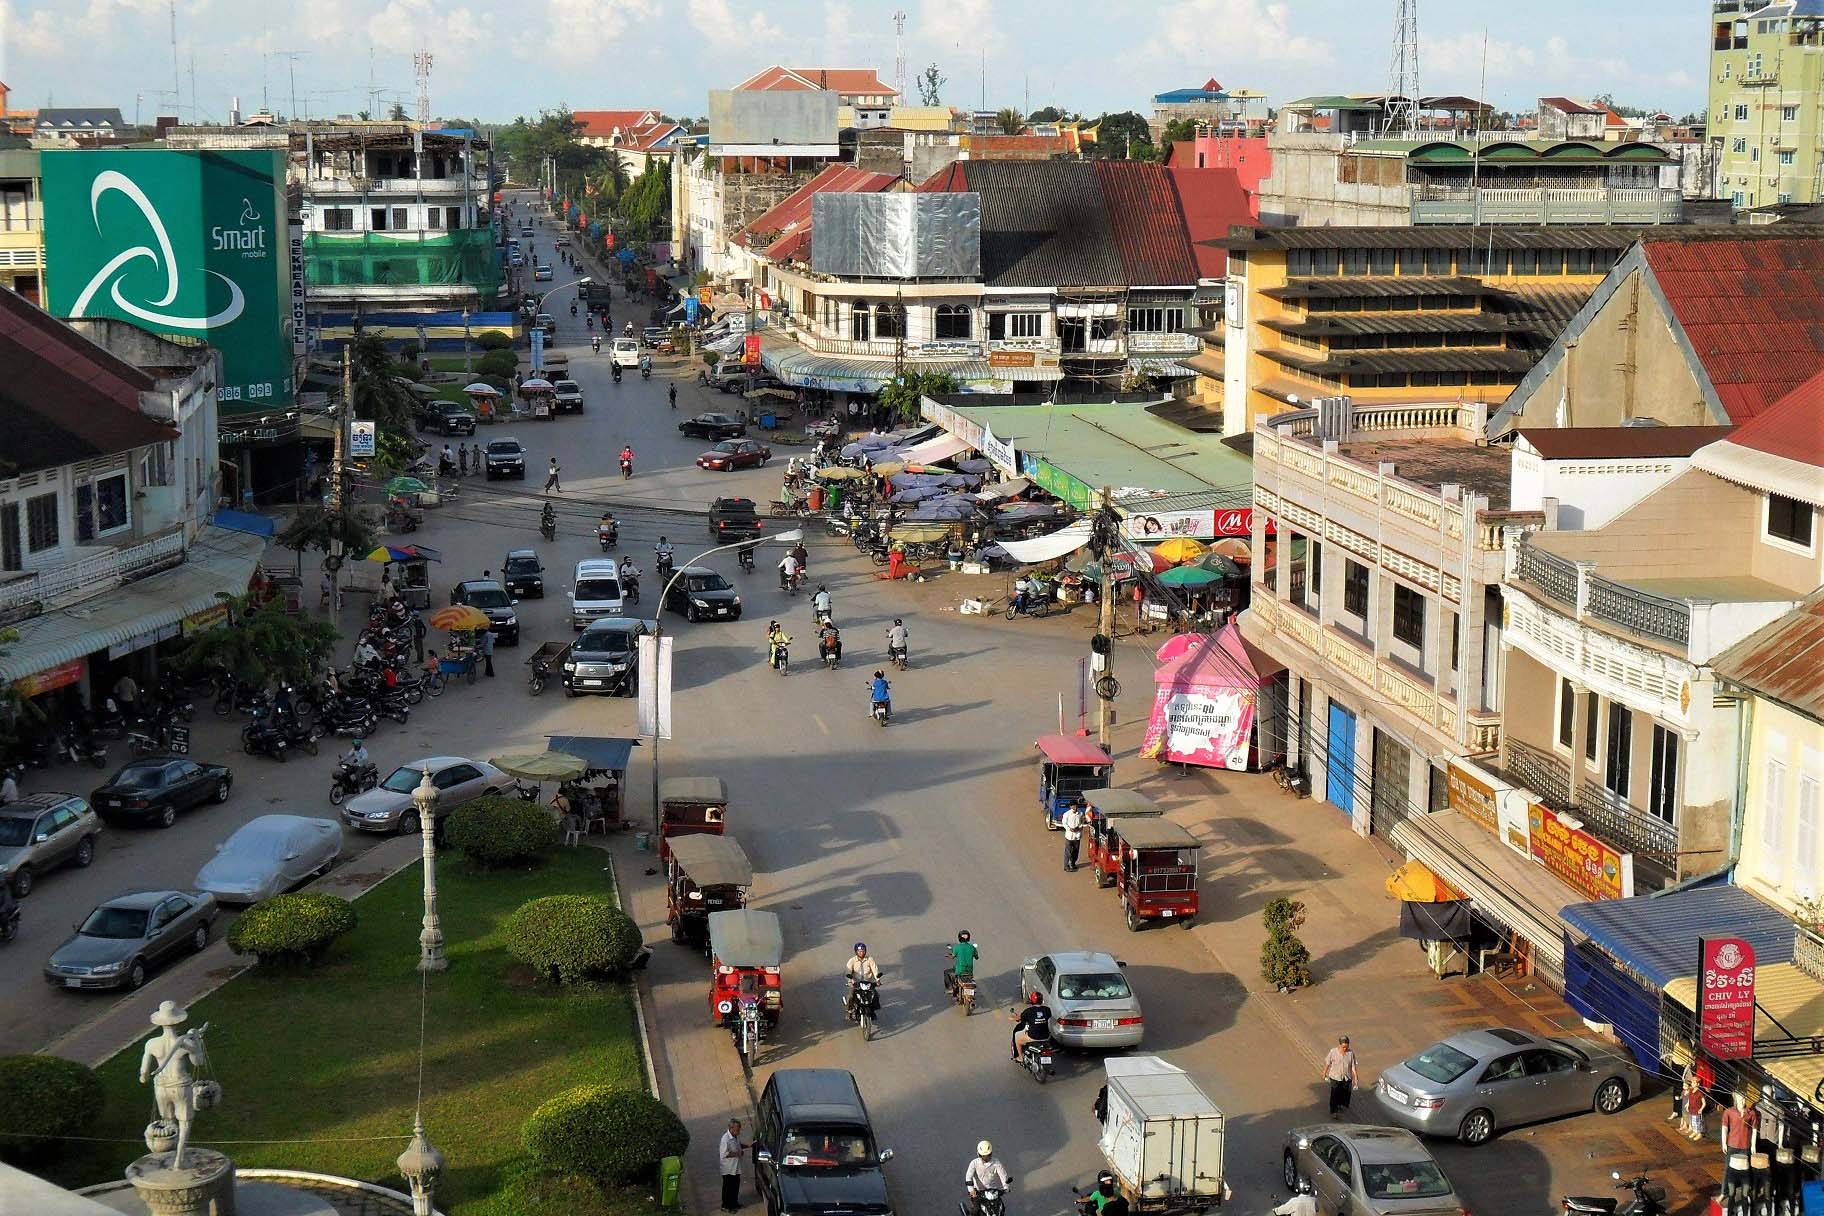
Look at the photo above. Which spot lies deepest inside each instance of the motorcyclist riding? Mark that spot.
(673, 394)
(573, 308)
(356, 756)
(829, 642)
(661, 553)
(1106, 1192)
(595, 344)
(820, 603)
(776, 642)
(1033, 1024)
(788, 570)
(984, 1173)
(897, 637)
(861, 966)
(627, 460)
(630, 577)
(547, 520)
(962, 960)
(878, 693)
(1302, 1204)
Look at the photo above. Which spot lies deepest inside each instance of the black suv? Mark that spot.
(489, 597)
(522, 574)
(451, 418)
(814, 1148)
(732, 519)
(605, 657)
(703, 595)
(506, 458)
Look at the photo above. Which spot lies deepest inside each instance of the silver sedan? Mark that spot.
(1357, 1170)
(1091, 1002)
(126, 937)
(389, 807)
(270, 854)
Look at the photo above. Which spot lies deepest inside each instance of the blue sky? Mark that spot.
(498, 58)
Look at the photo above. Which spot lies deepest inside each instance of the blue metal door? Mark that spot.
(1339, 760)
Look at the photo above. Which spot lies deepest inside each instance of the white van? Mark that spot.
(627, 352)
(596, 592)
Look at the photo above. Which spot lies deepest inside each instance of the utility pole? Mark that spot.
(338, 476)
(1102, 657)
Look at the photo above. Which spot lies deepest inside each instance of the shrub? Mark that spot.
(1284, 961)
(493, 340)
(573, 938)
(500, 831)
(292, 928)
(42, 1098)
(601, 1132)
(497, 363)
(710, 357)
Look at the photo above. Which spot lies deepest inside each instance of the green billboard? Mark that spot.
(188, 244)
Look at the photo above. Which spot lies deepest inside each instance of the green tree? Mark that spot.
(1124, 136)
(1046, 114)
(613, 181)
(1178, 130)
(397, 113)
(1009, 121)
(314, 528)
(646, 205)
(262, 643)
(930, 85)
(902, 396)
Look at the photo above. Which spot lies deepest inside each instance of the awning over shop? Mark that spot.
(598, 752)
(1502, 886)
(1656, 937)
(933, 450)
(1788, 1016)
(218, 562)
(804, 368)
(245, 521)
(1052, 544)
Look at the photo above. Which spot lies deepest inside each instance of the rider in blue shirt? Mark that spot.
(878, 690)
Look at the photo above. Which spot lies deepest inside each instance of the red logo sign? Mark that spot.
(1725, 997)
(751, 353)
(1235, 523)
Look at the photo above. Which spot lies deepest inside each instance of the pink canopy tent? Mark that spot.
(1206, 690)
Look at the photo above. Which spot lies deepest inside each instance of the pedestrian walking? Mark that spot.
(462, 460)
(418, 635)
(1339, 1070)
(487, 650)
(475, 459)
(728, 1153)
(1072, 822)
(551, 482)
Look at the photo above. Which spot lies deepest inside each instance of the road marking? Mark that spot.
(820, 725)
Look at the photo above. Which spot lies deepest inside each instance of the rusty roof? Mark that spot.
(1783, 661)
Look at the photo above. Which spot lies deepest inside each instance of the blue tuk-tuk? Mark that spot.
(1069, 765)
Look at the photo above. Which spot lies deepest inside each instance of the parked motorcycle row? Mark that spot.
(155, 723)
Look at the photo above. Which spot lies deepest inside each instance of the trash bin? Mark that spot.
(814, 500)
(671, 1177)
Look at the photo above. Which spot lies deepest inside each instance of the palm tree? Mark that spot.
(1010, 121)
(614, 175)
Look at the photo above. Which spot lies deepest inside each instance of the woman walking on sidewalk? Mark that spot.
(1339, 1071)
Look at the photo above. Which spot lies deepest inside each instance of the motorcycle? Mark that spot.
(744, 557)
(143, 738)
(630, 589)
(573, 308)
(830, 654)
(896, 655)
(779, 656)
(9, 923)
(789, 583)
(863, 1005)
(645, 371)
(393, 705)
(821, 617)
(351, 779)
(1035, 1058)
(1648, 1200)
(617, 373)
(595, 344)
(351, 721)
(987, 1203)
(882, 710)
(264, 737)
(662, 561)
(626, 469)
(749, 1028)
(609, 534)
(962, 991)
(547, 526)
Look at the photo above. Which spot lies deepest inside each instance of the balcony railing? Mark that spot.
(1617, 820)
(394, 185)
(94, 572)
(1577, 586)
(1602, 205)
(1550, 573)
(1541, 772)
(1036, 345)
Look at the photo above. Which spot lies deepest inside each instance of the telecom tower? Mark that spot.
(422, 62)
(899, 54)
(1403, 88)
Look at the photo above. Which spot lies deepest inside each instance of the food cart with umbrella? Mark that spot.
(537, 395)
(405, 504)
(486, 400)
(412, 583)
(464, 623)
(599, 797)
(538, 768)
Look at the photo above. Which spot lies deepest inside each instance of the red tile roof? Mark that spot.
(787, 226)
(1620, 442)
(1213, 201)
(1568, 106)
(848, 81)
(1148, 226)
(1792, 427)
(1752, 310)
(603, 123)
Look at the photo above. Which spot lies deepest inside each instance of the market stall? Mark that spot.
(1207, 692)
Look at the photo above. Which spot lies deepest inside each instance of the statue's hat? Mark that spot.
(170, 1013)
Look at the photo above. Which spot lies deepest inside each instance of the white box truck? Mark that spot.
(1162, 1137)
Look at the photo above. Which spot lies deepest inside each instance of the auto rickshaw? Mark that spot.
(1069, 766)
(745, 952)
(1107, 810)
(690, 806)
(1156, 871)
(706, 875)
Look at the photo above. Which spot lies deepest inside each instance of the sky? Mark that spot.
(495, 59)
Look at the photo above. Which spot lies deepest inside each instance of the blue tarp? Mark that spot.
(245, 521)
(597, 752)
(1656, 937)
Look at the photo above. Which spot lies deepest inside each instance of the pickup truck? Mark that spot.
(567, 397)
(732, 519)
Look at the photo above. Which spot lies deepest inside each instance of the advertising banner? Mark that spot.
(361, 439)
(750, 353)
(999, 451)
(655, 686)
(190, 244)
(1578, 859)
(1471, 797)
(690, 310)
(51, 678)
(1725, 997)
(299, 328)
(1207, 726)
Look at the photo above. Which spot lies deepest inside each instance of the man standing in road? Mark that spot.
(1072, 823)
(487, 650)
(728, 1154)
(1339, 1070)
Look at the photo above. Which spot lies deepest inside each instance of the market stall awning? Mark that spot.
(933, 450)
(1051, 545)
(218, 562)
(1656, 936)
(1503, 886)
(598, 752)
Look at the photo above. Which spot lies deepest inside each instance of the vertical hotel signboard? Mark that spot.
(194, 245)
(1725, 997)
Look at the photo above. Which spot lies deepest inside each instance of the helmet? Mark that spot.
(1304, 1186)
(821, 587)
(963, 936)
(984, 1149)
(662, 540)
(861, 947)
(1032, 998)
(1105, 1181)
(359, 741)
(772, 624)
(897, 621)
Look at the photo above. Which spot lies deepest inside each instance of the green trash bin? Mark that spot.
(671, 1178)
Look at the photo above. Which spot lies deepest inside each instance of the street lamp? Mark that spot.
(430, 937)
(658, 632)
(421, 1164)
(468, 365)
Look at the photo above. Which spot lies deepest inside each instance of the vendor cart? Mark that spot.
(412, 581)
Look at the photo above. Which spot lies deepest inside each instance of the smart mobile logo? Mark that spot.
(111, 275)
(247, 240)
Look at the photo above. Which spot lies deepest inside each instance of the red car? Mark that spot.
(735, 454)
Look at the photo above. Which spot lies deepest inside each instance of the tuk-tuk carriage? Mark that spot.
(746, 950)
(690, 806)
(1107, 810)
(1156, 871)
(706, 875)
(1069, 766)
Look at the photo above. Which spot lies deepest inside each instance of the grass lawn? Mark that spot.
(333, 1052)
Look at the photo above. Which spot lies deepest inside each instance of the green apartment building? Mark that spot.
(1767, 100)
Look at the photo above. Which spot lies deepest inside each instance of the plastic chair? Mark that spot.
(573, 830)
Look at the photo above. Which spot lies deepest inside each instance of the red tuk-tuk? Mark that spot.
(1156, 871)
(1107, 810)
(690, 806)
(746, 950)
(706, 875)
(1069, 765)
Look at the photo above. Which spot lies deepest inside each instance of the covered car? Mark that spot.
(268, 855)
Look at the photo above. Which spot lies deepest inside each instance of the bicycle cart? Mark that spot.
(543, 664)
(458, 664)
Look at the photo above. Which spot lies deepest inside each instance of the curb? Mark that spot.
(639, 1000)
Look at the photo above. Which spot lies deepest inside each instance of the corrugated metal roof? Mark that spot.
(1793, 428)
(1786, 1001)
(1752, 309)
(1464, 359)
(1122, 446)
(790, 219)
(1043, 222)
(1448, 236)
(1384, 285)
(1657, 937)
(1212, 201)
(1148, 226)
(1783, 660)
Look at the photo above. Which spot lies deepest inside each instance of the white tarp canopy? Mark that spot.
(1052, 544)
(933, 450)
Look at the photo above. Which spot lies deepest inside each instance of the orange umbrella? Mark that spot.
(458, 617)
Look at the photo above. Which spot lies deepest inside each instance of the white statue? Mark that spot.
(172, 1062)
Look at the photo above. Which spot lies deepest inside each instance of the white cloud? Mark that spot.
(1226, 37)
(727, 34)
(1456, 63)
(584, 31)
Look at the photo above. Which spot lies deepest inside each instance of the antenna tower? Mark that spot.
(177, 94)
(899, 53)
(422, 62)
(1403, 88)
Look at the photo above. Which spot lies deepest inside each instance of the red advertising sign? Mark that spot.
(1581, 861)
(751, 354)
(1239, 522)
(1725, 997)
